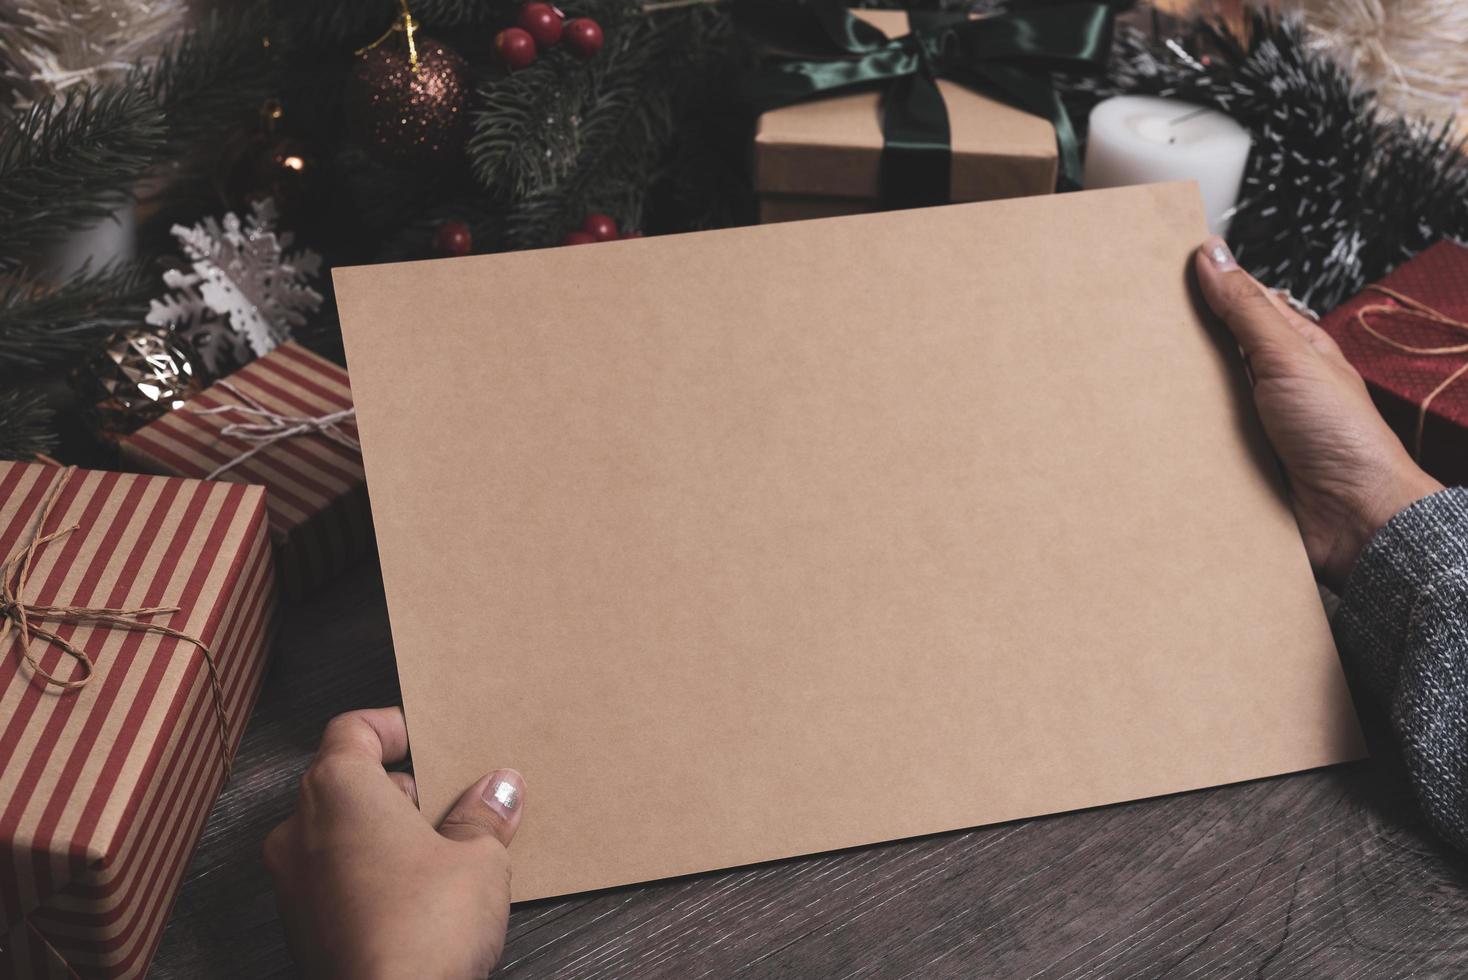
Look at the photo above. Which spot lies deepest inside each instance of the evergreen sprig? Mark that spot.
(639, 90)
(526, 132)
(210, 77)
(43, 326)
(25, 424)
(68, 161)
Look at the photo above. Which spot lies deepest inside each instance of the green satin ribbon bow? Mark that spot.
(1010, 55)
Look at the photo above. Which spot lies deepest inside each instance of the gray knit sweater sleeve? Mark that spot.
(1402, 628)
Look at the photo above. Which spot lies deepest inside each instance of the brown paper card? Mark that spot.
(774, 540)
(832, 148)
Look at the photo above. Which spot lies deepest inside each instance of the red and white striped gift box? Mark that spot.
(104, 789)
(316, 489)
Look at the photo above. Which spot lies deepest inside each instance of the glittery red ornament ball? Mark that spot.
(515, 47)
(578, 238)
(600, 226)
(583, 37)
(453, 238)
(542, 22)
(406, 117)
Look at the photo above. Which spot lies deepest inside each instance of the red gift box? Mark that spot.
(108, 772)
(1408, 336)
(283, 421)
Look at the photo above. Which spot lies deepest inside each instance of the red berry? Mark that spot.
(600, 226)
(516, 48)
(583, 37)
(453, 238)
(578, 238)
(543, 23)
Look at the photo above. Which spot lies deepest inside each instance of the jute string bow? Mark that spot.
(1413, 307)
(271, 427)
(21, 615)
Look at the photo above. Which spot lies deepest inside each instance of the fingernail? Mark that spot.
(1217, 251)
(503, 792)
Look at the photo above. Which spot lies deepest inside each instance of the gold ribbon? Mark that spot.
(1415, 308)
(403, 22)
(271, 427)
(16, 612)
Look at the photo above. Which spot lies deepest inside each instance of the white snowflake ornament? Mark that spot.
(243, 293)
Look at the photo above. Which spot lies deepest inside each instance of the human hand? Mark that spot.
(1348, 473)
(367, 888)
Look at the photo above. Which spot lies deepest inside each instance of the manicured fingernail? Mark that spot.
(1217, 251)
(503, 792)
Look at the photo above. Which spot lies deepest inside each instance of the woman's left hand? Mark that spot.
(367, 887)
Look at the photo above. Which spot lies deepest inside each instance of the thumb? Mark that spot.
(1243, 304)
(488, 809)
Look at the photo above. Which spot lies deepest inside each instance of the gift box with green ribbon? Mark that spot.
(878, 109)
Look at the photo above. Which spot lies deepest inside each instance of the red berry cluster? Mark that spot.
(543, 26)
(597, 228)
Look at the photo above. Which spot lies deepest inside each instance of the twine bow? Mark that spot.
(271, 426)
(1414, 307)
(17, 613)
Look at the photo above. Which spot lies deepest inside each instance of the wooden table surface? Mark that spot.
(1323, 874)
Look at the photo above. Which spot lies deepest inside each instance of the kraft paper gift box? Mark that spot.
(1408, 336)
(822, 158)
(956, 515)
(105, 787)
(282, 421)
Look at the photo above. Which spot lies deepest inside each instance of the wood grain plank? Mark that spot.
(1328, 873)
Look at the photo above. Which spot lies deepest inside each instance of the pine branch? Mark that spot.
(41, 326)
(25, 424)
(526, 135)
(206, 80)
(331, 23)
(642, 86)
(69, 161)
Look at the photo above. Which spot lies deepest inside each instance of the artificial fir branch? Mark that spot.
(70, 160)
(640, 91)
(209, 78)
(25, 424)
(42, 326)
(527, 130)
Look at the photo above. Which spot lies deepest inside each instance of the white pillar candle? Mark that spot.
(1140, 139)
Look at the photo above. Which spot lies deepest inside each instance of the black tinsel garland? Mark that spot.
(1336, 193)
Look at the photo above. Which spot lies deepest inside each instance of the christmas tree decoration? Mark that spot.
(243, 293)
(579, 238)
(406, 103)
(584, 37)
(453, 239)
(139, 375)
(52, 46)
(1413, 53)
(515, 47)
(600, 227)
(543, 22)
(132, 109)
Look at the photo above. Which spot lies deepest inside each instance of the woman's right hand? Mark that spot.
(1348, 472)
(369, 888)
